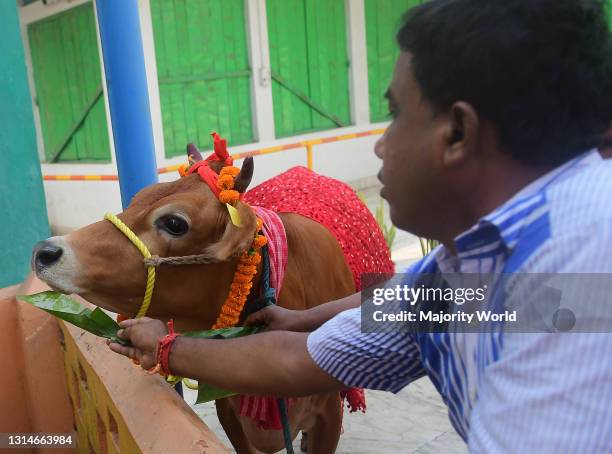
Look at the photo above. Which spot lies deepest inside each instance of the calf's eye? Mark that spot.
(173, 224)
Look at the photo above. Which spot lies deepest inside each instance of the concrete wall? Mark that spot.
(22, 203)
(73, 204)
(60, 379)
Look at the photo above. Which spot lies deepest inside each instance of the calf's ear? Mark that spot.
(234, 239)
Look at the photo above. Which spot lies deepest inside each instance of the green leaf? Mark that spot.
(207, 393)
(99, 323)
(62, 306)
(224, 333)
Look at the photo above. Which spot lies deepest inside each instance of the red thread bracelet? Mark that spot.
(163, 349)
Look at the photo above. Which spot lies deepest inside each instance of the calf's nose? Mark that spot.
(46, 254)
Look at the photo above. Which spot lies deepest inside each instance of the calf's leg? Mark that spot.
(324, 434)
(232, 427)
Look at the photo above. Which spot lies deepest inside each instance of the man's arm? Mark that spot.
(279, 318)
(336, 356)
(272, 363)
(275, 363)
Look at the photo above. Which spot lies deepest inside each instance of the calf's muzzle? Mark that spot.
(45, 254)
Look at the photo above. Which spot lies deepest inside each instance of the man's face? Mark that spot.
(408, 149)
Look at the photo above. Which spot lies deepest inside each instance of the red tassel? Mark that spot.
(355, 398)
(221, 154)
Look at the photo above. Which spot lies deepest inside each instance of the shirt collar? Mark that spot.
(505, 221)
(538, 186)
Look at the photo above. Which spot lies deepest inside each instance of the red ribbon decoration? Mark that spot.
(221, 154)
(208, 175)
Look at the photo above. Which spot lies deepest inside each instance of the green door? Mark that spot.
(68, 80)
(309, 62)
(203, 70)
(383, 19)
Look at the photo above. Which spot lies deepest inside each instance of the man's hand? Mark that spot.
(144, 334)
(280, 319)
(277, 318)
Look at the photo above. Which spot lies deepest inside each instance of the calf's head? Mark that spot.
(174, 219)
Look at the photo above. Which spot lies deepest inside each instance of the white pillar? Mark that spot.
(358, 56)
(109, 123)
(261, 81)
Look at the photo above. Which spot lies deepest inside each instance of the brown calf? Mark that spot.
(185, 218)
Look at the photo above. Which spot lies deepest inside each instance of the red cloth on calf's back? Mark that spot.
(335, 205)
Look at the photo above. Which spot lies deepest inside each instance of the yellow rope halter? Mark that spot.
(146, 302)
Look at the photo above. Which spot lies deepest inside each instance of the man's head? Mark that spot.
(486, 96)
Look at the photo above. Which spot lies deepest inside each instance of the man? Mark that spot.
(498, 107)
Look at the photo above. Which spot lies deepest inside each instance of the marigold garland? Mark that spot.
(242, 283)
(225, 182)
(259, 242)
(229, 196)
(183, 170)
(229, 170)
(246, 270)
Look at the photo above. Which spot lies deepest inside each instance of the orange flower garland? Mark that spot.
(230, 170)
(247, 265)
(183, 170)
(242, 283)
(229, 196)
(226, 183)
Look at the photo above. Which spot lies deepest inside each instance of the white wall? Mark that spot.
(72, 204)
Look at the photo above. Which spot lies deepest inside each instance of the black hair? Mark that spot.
(539, 70)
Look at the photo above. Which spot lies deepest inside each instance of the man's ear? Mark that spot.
(234, 239)
(461, 134)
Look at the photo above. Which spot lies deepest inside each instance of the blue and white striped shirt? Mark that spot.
(544, 392)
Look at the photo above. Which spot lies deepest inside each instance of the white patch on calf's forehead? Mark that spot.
(63, 274)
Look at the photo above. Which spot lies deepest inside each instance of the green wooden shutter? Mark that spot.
(203, 70)
(383, 19)
(308, 58)
(68, 80)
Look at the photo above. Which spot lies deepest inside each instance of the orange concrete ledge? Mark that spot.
(60, 378)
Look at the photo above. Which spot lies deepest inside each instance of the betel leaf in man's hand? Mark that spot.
(99, 323)
(63, 307)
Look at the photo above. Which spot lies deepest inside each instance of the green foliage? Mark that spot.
(99, 323)
(427, 245)
(361, 197)
(62, 306)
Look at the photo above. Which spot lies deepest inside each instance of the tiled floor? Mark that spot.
(413, 421)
